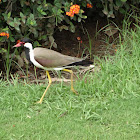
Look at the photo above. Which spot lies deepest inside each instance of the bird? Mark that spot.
(48, 59)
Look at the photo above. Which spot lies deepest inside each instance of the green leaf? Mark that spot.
(79, 19)
(36, 43)
(122, 10)
(43, 37)
(34, 31)
(23, 18)
(5, 16)
(99, 5)
(59, 5)
(17, 28)
(84, 3)
(5, 29)
(43, 13)
(127, 6)
(12, 39)
(59, 11)
(63, 27)
(84, 17)
(72, 27)
(118, 3)
(11, 24)
(31, 21)
(123, 0)
(16, 22)
(22, 2)
(9, 14)
(55, 9)
(39, 2)
(21, 14)
(40, 10)
(32, 16)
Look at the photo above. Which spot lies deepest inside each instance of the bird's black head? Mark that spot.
(27, 44)
(26, 40)
(22, 42)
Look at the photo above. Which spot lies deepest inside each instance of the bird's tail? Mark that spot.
(83, 63)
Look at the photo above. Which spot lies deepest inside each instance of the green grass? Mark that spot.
(107, 108)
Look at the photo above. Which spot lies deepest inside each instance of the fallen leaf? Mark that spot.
(110, 30)
(63, 114)
(28, 116)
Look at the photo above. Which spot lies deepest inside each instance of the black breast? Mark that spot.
(27, 55)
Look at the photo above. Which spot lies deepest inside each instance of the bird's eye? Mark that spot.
(23, 43)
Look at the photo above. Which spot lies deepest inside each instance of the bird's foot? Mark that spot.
(73, 90)
(39, 102)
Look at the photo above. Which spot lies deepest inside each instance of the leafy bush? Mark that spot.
(38, 18)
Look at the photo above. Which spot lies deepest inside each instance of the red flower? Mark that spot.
(4, 34)
(78, 38)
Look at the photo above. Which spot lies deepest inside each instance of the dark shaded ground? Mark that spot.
(68, 44)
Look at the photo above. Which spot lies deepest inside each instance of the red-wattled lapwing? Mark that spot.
(51, 60)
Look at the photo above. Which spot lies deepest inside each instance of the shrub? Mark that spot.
(38, 18)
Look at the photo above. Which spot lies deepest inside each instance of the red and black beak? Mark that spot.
(19, 43)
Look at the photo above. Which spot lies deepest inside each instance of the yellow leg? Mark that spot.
(70, 71)
(50, 81)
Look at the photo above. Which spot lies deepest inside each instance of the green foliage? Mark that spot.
(39, 18)
(111, 8)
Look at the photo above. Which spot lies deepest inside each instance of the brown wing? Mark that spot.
(52, 59)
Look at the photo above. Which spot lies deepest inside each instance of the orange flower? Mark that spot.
(78, 38)
(89, 5)
(4, 34)
(70, 14)
(74, 9)
(7, 35)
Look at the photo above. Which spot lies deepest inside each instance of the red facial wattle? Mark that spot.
(19, 44)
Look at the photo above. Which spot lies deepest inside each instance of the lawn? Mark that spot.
(107, 108)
